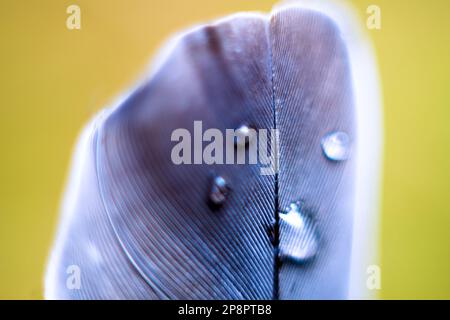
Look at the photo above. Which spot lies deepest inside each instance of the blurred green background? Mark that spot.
(53, 80)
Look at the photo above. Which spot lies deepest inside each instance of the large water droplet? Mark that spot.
(298, 235)
(336, 146)
(218, 191)
(244, 135)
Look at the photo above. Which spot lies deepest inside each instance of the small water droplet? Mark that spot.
(244, 135)
(298, 235)
(336, 146)
(219, 191)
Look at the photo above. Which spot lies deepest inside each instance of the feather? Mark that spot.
(139, 226)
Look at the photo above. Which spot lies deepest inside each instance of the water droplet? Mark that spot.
(244, 135)
(298, 235)
(219, 191)
(336, 146)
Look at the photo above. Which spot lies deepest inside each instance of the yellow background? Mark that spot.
(52, 81)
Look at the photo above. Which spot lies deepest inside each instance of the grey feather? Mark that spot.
(140, 227)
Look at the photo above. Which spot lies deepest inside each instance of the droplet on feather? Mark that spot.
(336, 146)
(298, 235)
(219, 191)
